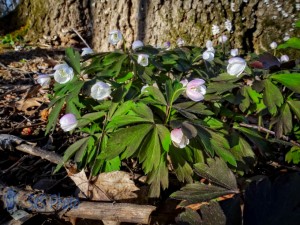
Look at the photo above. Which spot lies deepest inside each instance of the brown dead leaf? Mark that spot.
(107, 186)
(44, 114)
(29, 105)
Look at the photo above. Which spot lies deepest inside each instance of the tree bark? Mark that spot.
(255, 23)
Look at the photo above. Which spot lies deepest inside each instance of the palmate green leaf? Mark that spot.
(142, 110)
(283, 121)
(217, 172)
(72, 149)
(198, 192)
(293, 155)
(295, 106)
(54, 114)
(73, 59)
(126, 139)
(80, 153)
(189, 217)
(246, 100)
(149, 153)
(193, 107)
(179, 159)
(214, 142)
(155, 94)
(173, 91)
(293, 42)
(113, 70)
(158, 178)
(290, 80)
(225, 77)
(112, 165)
(272, 96)
(123, 120)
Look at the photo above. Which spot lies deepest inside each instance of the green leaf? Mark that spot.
(143, 111)
(128, 139)
(73, 59)
(220, 87)
(158, 178)
(112, 165)
(149, 153)
(293, 155)
(290, 80)
(293, 42)
(155, 94)
(283, 121)
(180, 164)
(173, 91)
(90, 117)
(189, 217)
(217, 172)
(193, 107)
(225, 77)
(72, 149)
(113, 70)
(272, 96)
(123, 120)
(295, 106)
(83, 149)
(54, 114)
(246, 100)
(164, 136)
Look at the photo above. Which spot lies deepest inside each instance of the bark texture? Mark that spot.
(256, 23)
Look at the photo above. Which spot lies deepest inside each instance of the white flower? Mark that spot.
(208, 56)
(232, 6)
(273, 45)
(209, 44)
(236, 66)
(68, 122)
(143, 59)
(167, 45)
(114, 37)
(284, 58)
(234, 52)
(180, 42)
(228, 25)
(63, 73)
(44, 80)
(196, 90)
(137, 44)
(223, 38)
(215, 29)
(144, 87)
(179, 140)
(87, 51)
(100, 90)
(184, 82)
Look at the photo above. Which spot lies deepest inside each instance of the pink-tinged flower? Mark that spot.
(273, 45)
(184, 82)
(223, 38)
(180, 42)
(234, 52)
(143, 59)
(87, 51)
(68, 122)
(100, 90)
(137, 44)
(208, 56)
(196, 89)
(284, 58)
(63, 73)
(236, 66)
(114, 37)
(167, 45)
(179, 140)
(44, 80)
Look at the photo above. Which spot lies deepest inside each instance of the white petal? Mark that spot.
(100, 90)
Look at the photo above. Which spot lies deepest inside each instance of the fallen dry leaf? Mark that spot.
(28, 105)
(115, 185)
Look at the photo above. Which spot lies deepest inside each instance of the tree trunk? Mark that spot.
(255, 23)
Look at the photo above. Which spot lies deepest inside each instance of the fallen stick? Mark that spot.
(73, 207)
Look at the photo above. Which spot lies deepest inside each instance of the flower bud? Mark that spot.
(284, 58)
(209, 44)
(180, 42)
(44, 80)
(137, 44)
(68, 122)
(184, 82)
(223, 38)
(234, 52)
(179, 140)
(100, 90)
(196, 90)
(236, 66)
(87, 51)
(208, 56)
(273, 45)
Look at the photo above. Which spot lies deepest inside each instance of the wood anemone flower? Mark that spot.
(236, 66)
(100, 90)
(114, 37)
(68, 122)
(63, 73)
(196, 90)
(179, 140)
